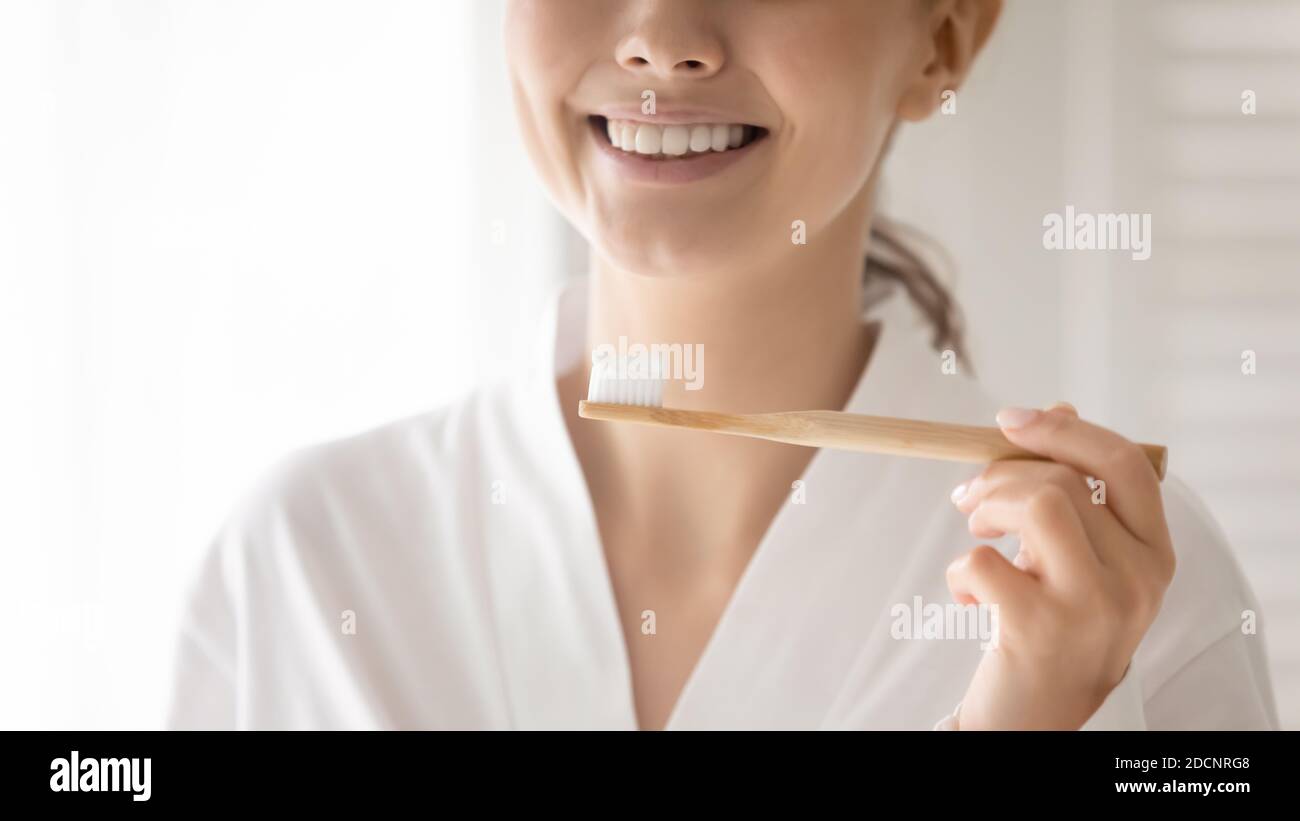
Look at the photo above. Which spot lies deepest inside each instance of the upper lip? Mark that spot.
(676, 115)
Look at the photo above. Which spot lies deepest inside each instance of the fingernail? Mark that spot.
(959, 493)
(1013, 418)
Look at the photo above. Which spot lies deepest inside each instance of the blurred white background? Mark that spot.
(229, 228)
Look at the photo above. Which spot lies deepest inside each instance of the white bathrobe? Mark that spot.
(446, 572)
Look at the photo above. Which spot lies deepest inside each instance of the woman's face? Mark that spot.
(684, 136)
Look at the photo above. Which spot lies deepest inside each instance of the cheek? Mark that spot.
(549, 46)
(541, 34)
(838, 82)
(545, 66)
(543, 62)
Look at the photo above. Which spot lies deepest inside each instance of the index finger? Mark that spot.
(1133, 493)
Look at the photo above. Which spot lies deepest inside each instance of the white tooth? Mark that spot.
(627, 137)
(736, 136)
(612, 128)
(649, 139)
(721, 135)
(677, 140)
(701, 138)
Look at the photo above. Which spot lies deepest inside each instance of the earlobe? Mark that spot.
(958, 33)
(920, 101)
(923, 94)
(928, 80)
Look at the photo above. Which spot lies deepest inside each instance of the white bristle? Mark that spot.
(607, 387)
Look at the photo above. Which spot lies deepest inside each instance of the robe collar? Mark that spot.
(800, 624)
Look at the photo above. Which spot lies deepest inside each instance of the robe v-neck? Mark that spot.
(790, 619)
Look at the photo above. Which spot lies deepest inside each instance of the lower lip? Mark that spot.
(641, 168)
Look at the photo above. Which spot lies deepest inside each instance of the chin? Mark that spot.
(676, 248)
(660, 260)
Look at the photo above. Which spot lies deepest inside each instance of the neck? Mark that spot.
(783, 335)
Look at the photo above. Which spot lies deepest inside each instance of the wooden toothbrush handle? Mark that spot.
(846, 431)
(935, 440)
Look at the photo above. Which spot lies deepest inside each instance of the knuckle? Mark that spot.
(983, 559)
(1125, 457)
(1062, 476)
(998, 471)
(1165, 561)
(1047, 500)
(1155, 585)
(953, 572)
(1147, 607)
(1054, 422)
(960, 569)
(1137, 598)
(1169, 564)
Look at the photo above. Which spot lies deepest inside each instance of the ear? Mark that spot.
(957, 30)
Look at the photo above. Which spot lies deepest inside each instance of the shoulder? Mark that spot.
(380, 527)
(387, 488)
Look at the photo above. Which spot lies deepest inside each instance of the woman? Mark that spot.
(502, 563)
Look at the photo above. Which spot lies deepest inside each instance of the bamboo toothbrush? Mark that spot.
(641, 401)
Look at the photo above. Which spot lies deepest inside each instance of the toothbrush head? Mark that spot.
(617, 381)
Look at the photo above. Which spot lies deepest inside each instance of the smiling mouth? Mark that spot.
(675, 143)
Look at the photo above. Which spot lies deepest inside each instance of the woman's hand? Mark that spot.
(1094, 563)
